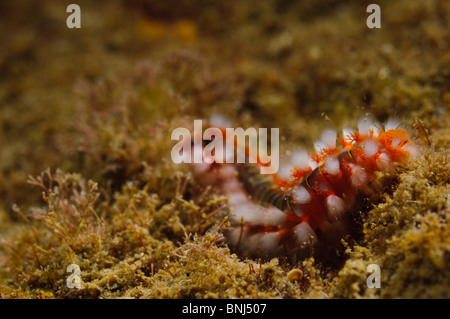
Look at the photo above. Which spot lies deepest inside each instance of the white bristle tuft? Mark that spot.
(301, 195)
(312, 164)
(365, 126)
(319, 146)
(300, 160)
(273, 216)
(254, 214)
(304, 233)
(370, 148)
(265, 243)
(395, 142)
(383, 161)
(227, 171)
(392, 124)
(219, 121)
(234, 236)
(248, 213)
(232, 185)
(237, 198)
(411, 149)
(200, 168)
(329, 138)
(285, 172)
(297, 210)
(346, 133)
(375, 131)
(335, 206)
(358, 176)
(332, 165)
(324, 186)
